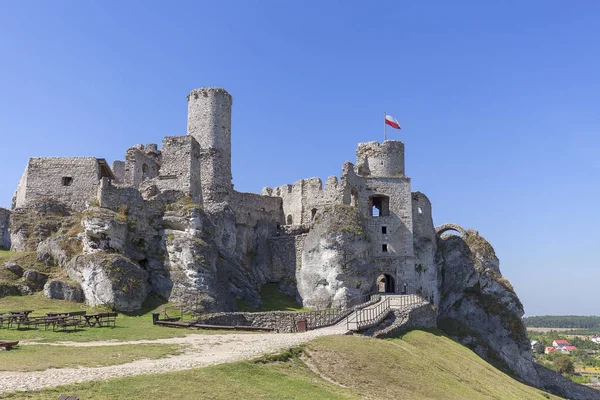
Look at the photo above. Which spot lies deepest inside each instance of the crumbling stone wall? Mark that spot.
(118, 169)
(426, 273)
(73, 182)
(4, 233)
(252, 207)
(305, 198)
(141, 163)
(180, 167)
(114, 196)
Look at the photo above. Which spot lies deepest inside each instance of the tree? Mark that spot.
(564, 365)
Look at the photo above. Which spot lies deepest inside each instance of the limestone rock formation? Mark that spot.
(191, 260)
(56, 289)
(479, 307)
(4, 232)
(16, 269)
(335, 259)
(34, 279)
(110, 279)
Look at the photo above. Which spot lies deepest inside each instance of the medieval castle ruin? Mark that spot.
(279, 236)
(167, 221)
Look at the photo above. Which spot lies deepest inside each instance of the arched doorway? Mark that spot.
(385, 284)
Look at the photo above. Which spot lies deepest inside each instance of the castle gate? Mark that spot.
(385, 284)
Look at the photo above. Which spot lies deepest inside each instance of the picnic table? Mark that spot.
(58, 314)
(100, 319)
(21, 312)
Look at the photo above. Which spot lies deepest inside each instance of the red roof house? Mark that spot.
(560, 343)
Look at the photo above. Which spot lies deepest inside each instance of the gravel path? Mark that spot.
(199, 351)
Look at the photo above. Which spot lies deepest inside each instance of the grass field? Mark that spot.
(273, 300)
(135, 326)
(42, 357)
(421, 365)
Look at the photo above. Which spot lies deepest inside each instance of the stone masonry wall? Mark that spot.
(380, 159)
(286, 259)
(180, 168)
(71, 181)
(4, 233)
(281, 321)
(399, 221)
(113, 196)
(250, 208)
(118, 169)
(425, 273)
(141, 163)
(306, 197)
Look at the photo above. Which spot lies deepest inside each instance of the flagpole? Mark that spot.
(384, 137)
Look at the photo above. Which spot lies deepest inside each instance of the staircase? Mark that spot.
(374, 314)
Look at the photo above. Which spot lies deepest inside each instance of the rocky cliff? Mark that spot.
(479, 308)
(165, 245)
(335, 266)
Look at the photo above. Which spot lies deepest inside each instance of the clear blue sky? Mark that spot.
(499, 103)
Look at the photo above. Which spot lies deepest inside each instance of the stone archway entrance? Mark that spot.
(385, 284)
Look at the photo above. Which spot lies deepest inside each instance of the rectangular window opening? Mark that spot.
(384, 230)
(384, 248)
(380, 206)
(67, 180)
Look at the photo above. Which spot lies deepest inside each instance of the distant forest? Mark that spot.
(563, 321)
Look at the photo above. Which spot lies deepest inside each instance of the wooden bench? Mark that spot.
(30, 322)
(66, 322)
(105, 319)
(8, 344)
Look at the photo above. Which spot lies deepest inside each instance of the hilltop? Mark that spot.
(427, 365)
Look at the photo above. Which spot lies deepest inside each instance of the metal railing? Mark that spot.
(328, 317)
(369, 316)
(372, 315)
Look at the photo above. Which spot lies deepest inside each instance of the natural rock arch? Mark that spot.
(450, 227)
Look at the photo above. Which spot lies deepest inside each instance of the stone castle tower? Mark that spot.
(209, 122)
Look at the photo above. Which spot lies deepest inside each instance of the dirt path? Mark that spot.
(199, 351)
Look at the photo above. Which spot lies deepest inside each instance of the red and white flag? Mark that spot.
(391, 121)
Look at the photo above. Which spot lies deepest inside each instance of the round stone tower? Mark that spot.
(209, 122)
(375, 159)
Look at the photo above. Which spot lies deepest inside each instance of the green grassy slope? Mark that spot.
(273, 300)
(421, 365)
(134, 326)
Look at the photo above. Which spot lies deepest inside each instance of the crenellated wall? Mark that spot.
(305, 198)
